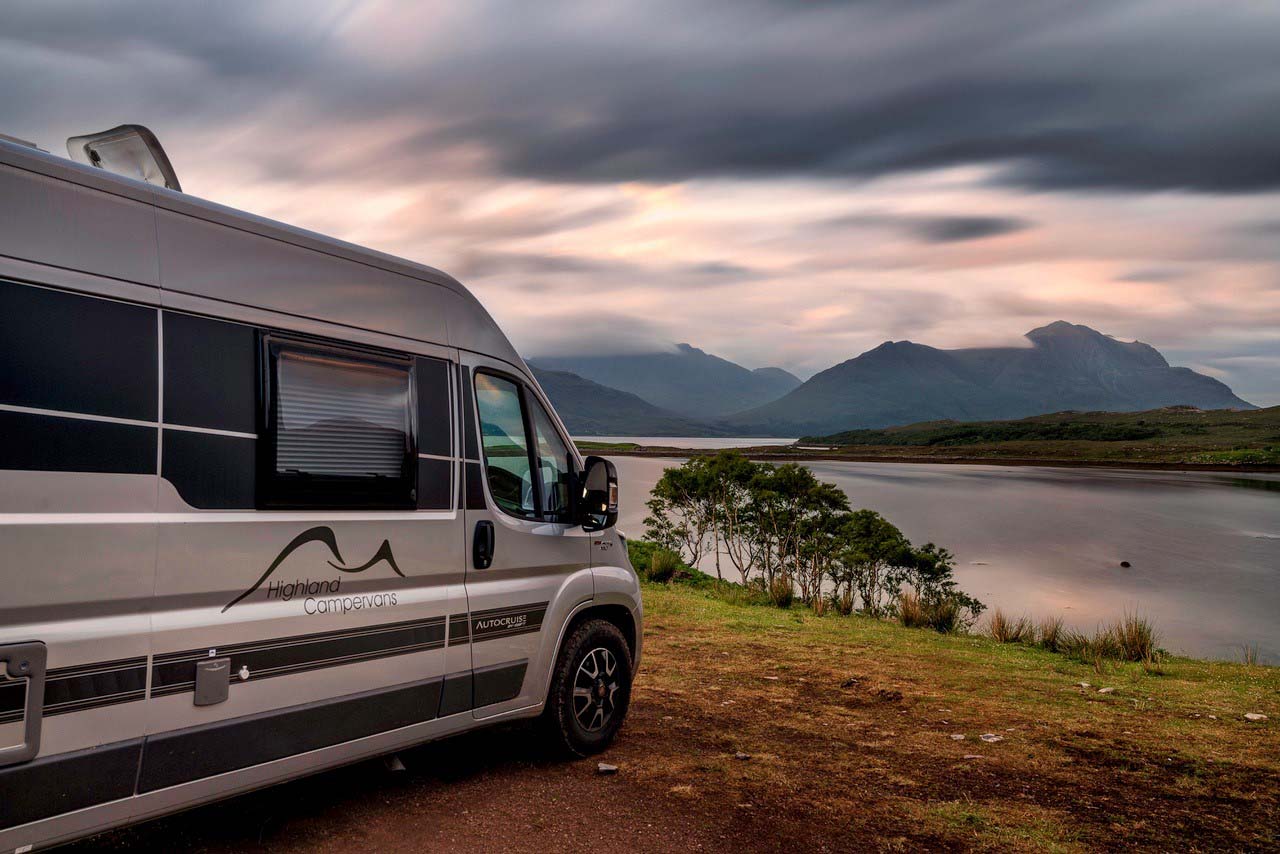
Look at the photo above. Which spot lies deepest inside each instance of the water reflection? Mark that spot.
(1204, 548)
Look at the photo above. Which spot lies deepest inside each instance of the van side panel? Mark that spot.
(213, 260)
(60, 224)
(79, 393)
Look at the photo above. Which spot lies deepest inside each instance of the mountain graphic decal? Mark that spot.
(323, 534)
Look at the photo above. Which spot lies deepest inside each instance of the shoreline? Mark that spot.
(771, 454)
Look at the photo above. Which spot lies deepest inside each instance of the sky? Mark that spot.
(778, 183)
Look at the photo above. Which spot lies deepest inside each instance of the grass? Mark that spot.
(1005, 629)
(849, 723)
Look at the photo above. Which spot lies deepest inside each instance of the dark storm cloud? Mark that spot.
(1154, 274)
(1138, 95)
(600, 274)
(952, 229)
(933, 229)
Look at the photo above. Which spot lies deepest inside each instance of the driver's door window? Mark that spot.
(555, 466)
(529, 466)
(506, 447)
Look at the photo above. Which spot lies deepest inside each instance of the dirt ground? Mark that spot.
(759, 732)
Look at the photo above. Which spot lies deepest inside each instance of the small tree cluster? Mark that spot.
(780, 525)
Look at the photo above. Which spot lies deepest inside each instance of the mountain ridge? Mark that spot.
(686, 381)
(1067, 366)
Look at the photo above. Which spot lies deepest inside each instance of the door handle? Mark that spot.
(26, 661)
(482, 545)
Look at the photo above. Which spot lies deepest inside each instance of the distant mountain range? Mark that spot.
(1065, 367)
(591, 409)
(686, 380)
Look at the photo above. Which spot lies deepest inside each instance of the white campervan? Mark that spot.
(269, 503)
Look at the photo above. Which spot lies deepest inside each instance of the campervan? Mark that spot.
(270, 503)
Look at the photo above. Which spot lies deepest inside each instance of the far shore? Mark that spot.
(789, 453)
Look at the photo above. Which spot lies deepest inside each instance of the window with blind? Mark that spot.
(340, 429)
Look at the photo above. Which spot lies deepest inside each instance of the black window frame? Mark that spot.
(531, 442)
(304, 491)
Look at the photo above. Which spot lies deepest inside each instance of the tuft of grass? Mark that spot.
(663, 566)
(1135, 638)
(1249, 654)
(1051, 634)
(781, 591)
(843, 601)
(1006, 629)
(942, 614)
(911, 610)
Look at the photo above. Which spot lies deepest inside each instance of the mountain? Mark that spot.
(591, 409)
(686, 381)
(1067, 367)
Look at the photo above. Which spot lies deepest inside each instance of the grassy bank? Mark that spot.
(867, 734)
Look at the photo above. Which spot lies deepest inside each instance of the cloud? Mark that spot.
(952, 229)
(778, 183)
(931, 229)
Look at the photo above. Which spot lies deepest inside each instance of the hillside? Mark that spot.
(1175, 435)
(1066, 367)
(686, 380)
(591, 409)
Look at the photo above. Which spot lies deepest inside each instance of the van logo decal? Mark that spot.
(323, 534)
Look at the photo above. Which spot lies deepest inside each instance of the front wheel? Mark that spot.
(590, 688)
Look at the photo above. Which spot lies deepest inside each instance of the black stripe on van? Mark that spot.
(459, 630)
(75, 689)
(506, 622)
(174, 673)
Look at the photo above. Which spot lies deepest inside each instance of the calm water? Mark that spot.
(1204, 547)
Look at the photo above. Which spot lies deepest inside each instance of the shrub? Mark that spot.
(911, 610)
(781, 591)
(1008, 630)
(1135, 638)
(1051, 634)
(663, 565)
(842, 601)
(943, 614)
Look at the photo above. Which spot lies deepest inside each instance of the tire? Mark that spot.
(581, 724)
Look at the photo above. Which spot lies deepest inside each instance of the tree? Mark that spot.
(682, 511)
(930, 574)
(730, 476)
(873, 560)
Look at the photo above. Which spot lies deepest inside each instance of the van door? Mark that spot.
(320, 617)
(528, 562)
(79, 392)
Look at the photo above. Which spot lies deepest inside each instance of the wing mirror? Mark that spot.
(598, 509)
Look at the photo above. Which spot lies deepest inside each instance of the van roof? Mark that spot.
(213, 251)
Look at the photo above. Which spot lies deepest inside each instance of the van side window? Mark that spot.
(506, 448)
(339, 429)
(555, 465)
(530, 470)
